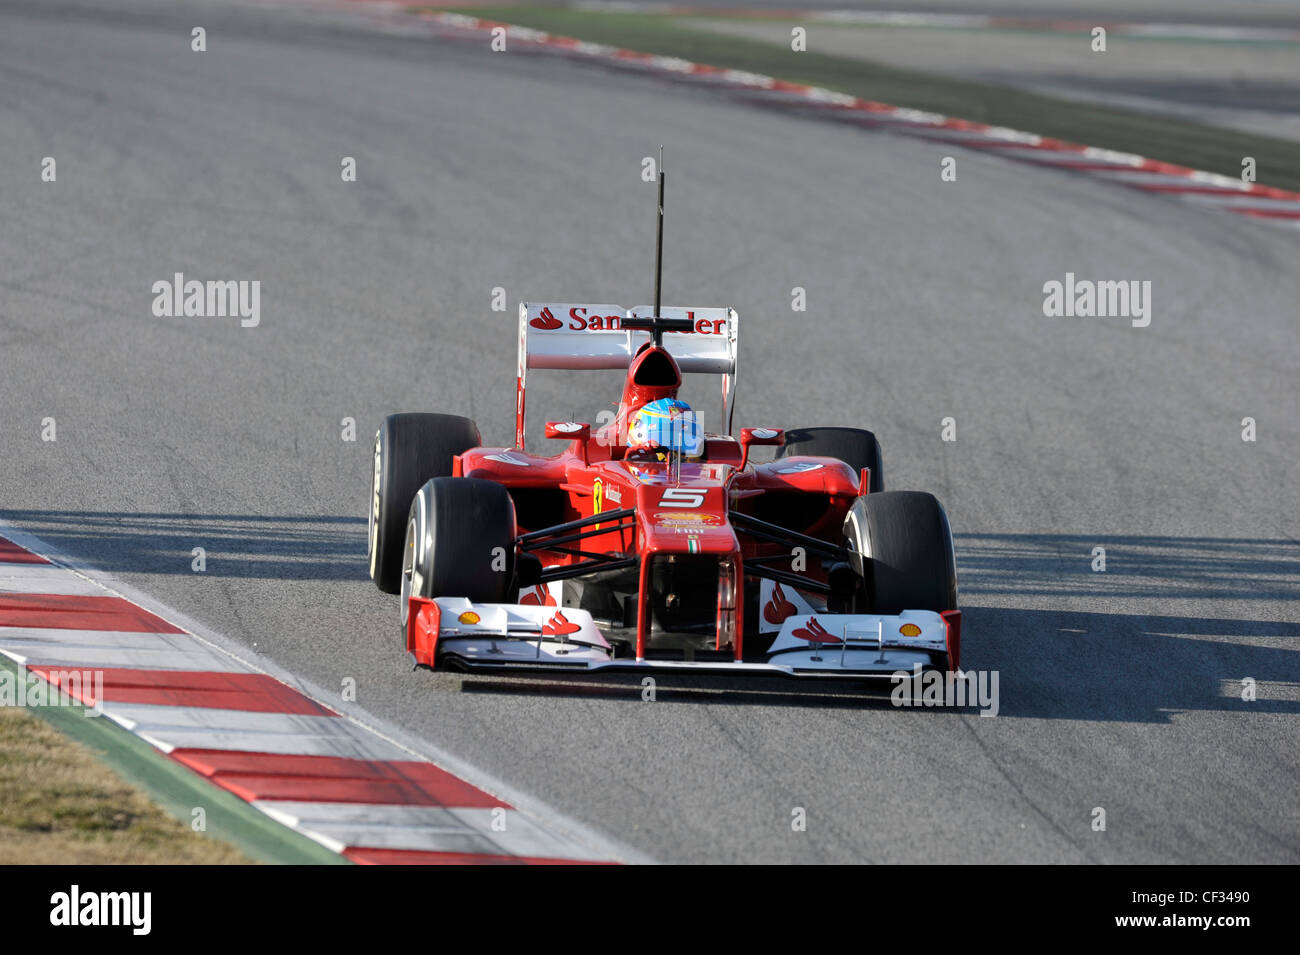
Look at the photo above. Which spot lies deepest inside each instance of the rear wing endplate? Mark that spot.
(585, 337)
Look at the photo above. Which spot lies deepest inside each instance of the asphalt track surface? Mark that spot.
(1119, 690)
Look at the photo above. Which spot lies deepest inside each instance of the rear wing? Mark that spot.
(584, 337)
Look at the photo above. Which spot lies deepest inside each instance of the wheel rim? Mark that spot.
(408, 569)
(851, 545)
(372, 535)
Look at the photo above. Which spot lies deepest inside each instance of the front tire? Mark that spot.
(409, 450)
(459, 542)
(902, 545)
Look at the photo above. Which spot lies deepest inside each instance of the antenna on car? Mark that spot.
(656, 324)
(659, 249)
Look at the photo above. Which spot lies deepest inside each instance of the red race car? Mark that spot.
(646, 543)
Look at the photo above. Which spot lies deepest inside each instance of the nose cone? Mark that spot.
(687, 517)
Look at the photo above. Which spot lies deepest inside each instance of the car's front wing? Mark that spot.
(531, 637)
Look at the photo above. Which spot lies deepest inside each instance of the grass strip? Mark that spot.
(83, 790)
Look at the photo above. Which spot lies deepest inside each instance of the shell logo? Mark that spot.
(910, 630)
(686, 517)
(469, 617)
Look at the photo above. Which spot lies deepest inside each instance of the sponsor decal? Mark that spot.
(814, 632)
(537, 596)
(597, 499)
(510, 458)
(799, 467)
(559, 625)
(545, 321)
(469, 618)
(567, 427)
(778, 608)
(778, 603)
(763, 433)
(910, 630)
(704, 326)
(580, 321)
(614, 494)
(686, 517)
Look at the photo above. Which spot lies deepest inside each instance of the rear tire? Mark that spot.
(409, 450)
(459, 542)
(857, 448)
(902, 544)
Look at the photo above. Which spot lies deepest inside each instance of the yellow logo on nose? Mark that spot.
(468, 617)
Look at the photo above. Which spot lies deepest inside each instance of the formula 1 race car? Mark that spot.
(647, 543)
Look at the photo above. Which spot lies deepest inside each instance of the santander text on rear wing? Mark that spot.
(585, 337)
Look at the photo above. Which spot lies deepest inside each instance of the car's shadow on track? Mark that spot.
(278, 547)
(1154, 637)
(1131, 656)
(1061, 664)
(689, 688)
(1170, 625)
(1062, 565)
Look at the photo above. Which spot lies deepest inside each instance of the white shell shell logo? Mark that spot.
(764, 433)
(568, 427)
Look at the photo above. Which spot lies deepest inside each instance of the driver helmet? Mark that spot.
(666, 427)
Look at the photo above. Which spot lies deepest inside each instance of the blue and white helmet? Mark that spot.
(666, 425)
